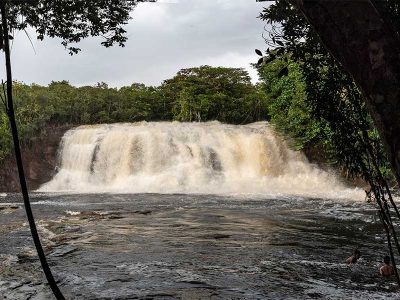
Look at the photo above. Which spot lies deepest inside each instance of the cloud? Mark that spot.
(163, 38)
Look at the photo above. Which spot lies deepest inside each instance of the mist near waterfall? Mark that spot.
(173, 157)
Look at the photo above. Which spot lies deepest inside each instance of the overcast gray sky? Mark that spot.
(163, 37)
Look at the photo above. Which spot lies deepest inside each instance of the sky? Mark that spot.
(163, 37)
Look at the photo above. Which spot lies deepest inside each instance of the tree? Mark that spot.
(71, 21)
(365, 41)
(351, 31)
(332, 98)
(287, 105)
(213, 93)
(367, 46)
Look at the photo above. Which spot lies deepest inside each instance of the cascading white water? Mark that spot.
(172, 157)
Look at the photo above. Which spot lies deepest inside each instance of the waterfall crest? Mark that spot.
(173, 157)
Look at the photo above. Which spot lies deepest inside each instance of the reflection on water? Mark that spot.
(105, 246)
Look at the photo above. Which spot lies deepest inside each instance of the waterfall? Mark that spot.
(173, 157)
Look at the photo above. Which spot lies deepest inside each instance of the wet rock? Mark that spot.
(143, 212)
(314, 295)
(115, 217)
(178, 225)
(40, 159)
(3, 207)
(63, 251)
(27, 255)
(217, 236)
(99, 215)
(158, 296)
(196, 282)
(8, 208)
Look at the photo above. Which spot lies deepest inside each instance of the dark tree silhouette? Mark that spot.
(363, 37)
(360, 35)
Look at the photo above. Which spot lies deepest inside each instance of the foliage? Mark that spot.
(286, 104)
(332, 100)
(205, 93)
(5, 137)
(73, 20)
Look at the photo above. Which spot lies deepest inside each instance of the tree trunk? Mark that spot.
(363, 42)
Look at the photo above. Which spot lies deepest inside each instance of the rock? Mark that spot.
(143, 212)
(63, 251)
(217, 236)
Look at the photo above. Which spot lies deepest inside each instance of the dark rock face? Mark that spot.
(40, 160)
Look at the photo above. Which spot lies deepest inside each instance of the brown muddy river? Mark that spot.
(176, 246)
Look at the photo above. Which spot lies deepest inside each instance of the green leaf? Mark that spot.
(280, 51)
(283, 72)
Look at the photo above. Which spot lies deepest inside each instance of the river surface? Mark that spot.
(177, 246)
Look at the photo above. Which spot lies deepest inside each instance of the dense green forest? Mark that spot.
(324, 110)
(327, 131)
(195, 94)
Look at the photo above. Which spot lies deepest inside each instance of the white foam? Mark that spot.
(172, 157)
(72, 213)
